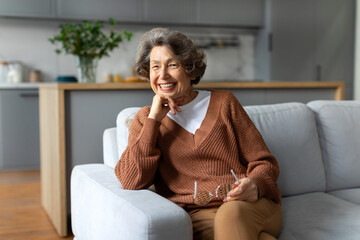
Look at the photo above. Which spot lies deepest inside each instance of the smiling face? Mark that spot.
(168, 77)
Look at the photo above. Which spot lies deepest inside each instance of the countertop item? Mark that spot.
(35, 76)
(3, 71)
(67, 79)
(15, 73)
(19, 85)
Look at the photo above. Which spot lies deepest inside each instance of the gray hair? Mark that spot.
(192, 59)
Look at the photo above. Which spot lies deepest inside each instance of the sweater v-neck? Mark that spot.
(201, 133)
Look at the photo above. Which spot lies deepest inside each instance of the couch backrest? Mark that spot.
(290, 132)
(338, 124)
(122, 127)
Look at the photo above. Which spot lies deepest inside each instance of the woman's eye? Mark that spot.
(172, 65)
(154, 66)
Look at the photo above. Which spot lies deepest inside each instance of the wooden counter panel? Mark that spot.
(52, 158)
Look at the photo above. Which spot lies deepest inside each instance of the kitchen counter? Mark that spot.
(337, 86)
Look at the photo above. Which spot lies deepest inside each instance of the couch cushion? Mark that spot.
(339, 131)
(101, 209)
(289, 130)
(110, 148)
(351, 195)
(122, 128)
(319, 216)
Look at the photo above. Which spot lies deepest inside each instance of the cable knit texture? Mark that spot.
(166, 155)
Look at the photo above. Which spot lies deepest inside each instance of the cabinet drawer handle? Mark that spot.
(25, 95)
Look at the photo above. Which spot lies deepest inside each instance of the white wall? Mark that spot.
(26, 40)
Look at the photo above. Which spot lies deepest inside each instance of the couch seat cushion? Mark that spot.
(319, 216)
(351, 195)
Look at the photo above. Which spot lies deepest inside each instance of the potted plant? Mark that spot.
(89, 44)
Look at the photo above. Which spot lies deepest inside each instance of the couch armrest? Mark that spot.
(101, 209)
(110, 148)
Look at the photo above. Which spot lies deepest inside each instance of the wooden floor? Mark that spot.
(21, 214)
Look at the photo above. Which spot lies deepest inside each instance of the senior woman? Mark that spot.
(199, 148)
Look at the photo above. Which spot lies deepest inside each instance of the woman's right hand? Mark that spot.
(161, 105)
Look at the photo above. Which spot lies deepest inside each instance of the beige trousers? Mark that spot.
(238, 220)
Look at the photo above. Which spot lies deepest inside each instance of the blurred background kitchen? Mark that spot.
(245, 41)
(257, 40)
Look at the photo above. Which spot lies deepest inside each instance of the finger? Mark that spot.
(173, 106)
(248, 198)
(235, 193)
(234, 185)
(240, 192)
(248, 193)
(172, 109)
(239, 188)
(159, 108)
(244, 196)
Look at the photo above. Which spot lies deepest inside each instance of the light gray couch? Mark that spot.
(318, 149)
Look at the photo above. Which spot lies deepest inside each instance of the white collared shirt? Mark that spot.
(193, 113)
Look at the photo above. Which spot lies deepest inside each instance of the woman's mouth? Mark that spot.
(167, 86)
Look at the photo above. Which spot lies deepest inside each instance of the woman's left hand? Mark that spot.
(244, 190)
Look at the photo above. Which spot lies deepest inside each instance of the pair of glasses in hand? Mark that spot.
(204, 197)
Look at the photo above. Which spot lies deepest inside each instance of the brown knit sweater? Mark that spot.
(172, 158)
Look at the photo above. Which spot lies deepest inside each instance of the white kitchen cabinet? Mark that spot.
(237, 13)
(26, 8)
(241, 13)
(164, 11)
(230, 12)
(293, 40)
(248, 13)
(19, 129)
(335, 41)
(312, 40)
(121, 10)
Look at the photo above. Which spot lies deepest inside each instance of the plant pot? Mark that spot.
(86, 69)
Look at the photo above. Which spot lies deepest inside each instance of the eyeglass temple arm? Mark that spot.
(232, 172)
(195, 189)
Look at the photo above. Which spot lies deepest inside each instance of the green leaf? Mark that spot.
(87, 39)
(112, 22)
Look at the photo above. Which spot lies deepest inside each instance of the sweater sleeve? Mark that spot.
(262, 167)
(138, 164)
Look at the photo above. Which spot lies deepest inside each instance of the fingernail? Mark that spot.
(224, 200)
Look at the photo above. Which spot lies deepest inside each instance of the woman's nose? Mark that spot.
(164, 73)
